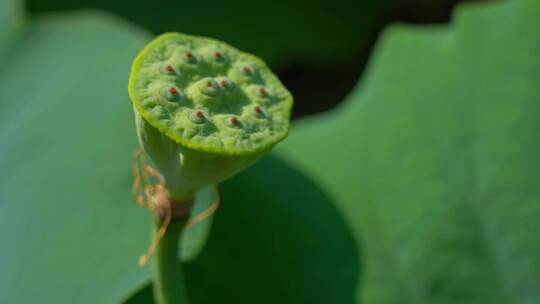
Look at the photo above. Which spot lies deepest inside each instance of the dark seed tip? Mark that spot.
(247, 70)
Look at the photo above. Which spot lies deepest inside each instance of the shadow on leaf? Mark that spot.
(277, 238)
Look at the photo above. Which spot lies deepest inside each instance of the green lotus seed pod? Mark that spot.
(205, 110)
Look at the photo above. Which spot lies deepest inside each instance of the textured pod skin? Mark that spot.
(186, 170)
(205, 110)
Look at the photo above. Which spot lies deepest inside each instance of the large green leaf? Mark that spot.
(434, 160)
(11, 18)
(70, 231)
(276, 239)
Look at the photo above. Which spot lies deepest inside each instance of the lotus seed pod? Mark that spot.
(204, 110)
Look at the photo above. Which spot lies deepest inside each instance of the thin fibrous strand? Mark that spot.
(194, 220)
(145, 192)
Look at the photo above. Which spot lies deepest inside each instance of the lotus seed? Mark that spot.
(167, 69)
(190, 57)
(227, 85)
(263, 92)
(218, 55)
(258, 112)
(197, 117)
(208, 86)
(247, 70)
(170, 93)
(233, 121)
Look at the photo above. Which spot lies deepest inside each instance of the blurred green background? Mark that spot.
(318, 47)
(411, 174)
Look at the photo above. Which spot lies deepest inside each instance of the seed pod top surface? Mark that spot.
(209, 96)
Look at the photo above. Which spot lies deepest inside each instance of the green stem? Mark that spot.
(168, 282)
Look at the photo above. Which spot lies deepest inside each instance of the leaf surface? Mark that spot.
(69, 228)
(434, 160)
